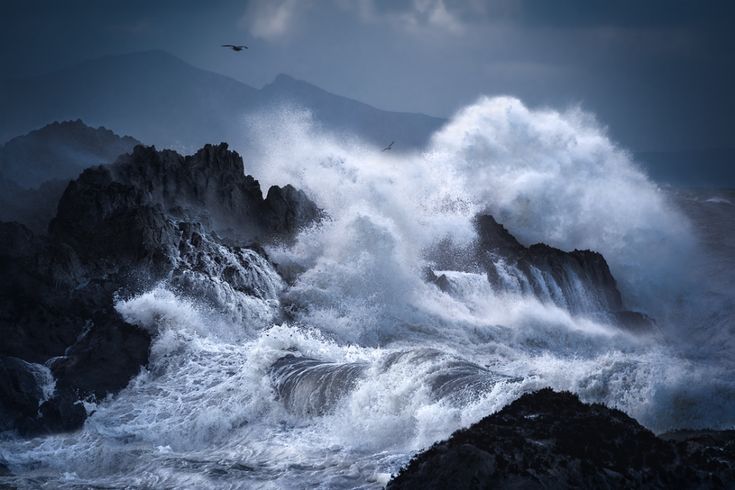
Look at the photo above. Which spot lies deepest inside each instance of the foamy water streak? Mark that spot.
(375, 362)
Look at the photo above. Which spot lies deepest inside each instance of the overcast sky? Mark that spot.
(659, 74)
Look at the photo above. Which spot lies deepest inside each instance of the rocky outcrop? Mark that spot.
(209, 187)
(30, 403)
(119, 230)
(553, 440)
(579, 281)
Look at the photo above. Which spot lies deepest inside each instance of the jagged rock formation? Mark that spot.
(209, 187)
(553, 440)
(120, 229)
(579, 281)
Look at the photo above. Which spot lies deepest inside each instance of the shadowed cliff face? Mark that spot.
(150, 217)
(552, 440)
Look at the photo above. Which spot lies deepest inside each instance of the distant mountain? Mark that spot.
(152, 95)
(60, 150)
(348, 115)
(35, 168)
(162, 100)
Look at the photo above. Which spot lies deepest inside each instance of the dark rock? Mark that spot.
(62, 413)
(440, 280)
(209, 187)
(553, 440)
(286, 209)
(20, 392)
(120, 229)
(37, 313)
(104, 359)
(579, 281)
(24, 405)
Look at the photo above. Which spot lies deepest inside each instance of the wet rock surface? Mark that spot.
(545, 271)
(549, 439)
(579, 281)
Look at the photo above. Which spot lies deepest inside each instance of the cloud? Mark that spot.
(416, 16)
(270, 20)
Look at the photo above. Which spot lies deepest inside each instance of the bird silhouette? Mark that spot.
(235, 47)
(389, 147)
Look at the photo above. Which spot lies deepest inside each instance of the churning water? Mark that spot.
(372, 363)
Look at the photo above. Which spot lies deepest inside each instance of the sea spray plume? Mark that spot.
(210, 410)
(556, 177)
(549, 176)
(552, 176)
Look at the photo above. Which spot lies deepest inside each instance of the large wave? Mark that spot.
(374, 362)
(549, 176)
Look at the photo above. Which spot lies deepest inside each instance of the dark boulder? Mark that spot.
(30, 404)
(37, 320)
(548, 439)
(21, 391)
(62, 413)
(108, 354)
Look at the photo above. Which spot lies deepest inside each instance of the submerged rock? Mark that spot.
(548, 439)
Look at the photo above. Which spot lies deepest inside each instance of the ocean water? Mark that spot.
(374, 363)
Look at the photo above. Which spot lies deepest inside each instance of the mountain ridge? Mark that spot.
(162, 100)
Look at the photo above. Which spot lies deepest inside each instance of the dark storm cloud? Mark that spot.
(657, 73)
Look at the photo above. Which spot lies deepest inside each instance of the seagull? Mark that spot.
(389, 147)
(235, 47)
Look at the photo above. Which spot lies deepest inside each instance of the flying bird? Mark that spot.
(389, 147)
(235, 47)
